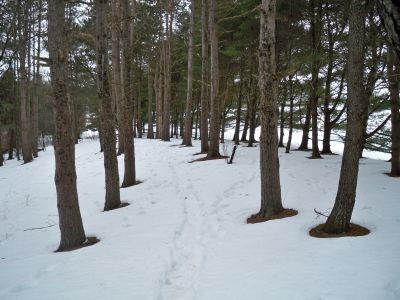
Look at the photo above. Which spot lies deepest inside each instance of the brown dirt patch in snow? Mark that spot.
(90, 240)
(209, 158)
(354, 230)
(286, 213)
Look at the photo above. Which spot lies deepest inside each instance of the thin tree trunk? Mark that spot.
(150, 130)
(246, 125)
(70, 221)
(239, 104)
(129, 146)
(339, 219)
(282, 118)
(24, 95)
(187, 135)
(116, 71)
(306, 129)
(316, 46)
(106, 112)
(35, 100)
(291, 99)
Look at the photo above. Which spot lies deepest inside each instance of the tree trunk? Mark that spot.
(187, 135)
(306, 129)
(106, 112)
(246, 125)
(204, 78)
(291, 99)
(339, 219)
(24, 97)
(35, 100)
(316, 20)
(239, 104)
(271, 202)
(129, 146)
(70, 221)
(150, 129)
(116, 71)
(282, 118)
(213, 150)
(389, 12)
(393, 79)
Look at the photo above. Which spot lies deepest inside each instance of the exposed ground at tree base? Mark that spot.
(257, 218)
(354, 230)
(90, 241)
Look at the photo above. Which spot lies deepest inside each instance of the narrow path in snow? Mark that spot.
(187, 253)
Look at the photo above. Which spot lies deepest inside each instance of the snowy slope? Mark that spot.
(184, 235)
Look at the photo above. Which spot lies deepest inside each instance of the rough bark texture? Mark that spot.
(129, 147)
(70, 221)
(24, 98)
(339, 219)
(393, 79)
(106, 112)
(204, 78)
(306, 129)
(271, 202)
(35, 99)
(213, 150)
(389, 11)
(316, 11)
(187, 133)
(116, 71)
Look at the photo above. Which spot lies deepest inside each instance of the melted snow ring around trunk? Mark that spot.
(285, 213)
(354, 230)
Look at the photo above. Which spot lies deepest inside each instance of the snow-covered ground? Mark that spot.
(184, 234)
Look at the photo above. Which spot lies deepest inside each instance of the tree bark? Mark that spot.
(187, 133)
(316, 20)
(150, 130)
(339, 219)
(213, 150)
(129, 146)
(393, 68)
(271, 202)
(116, 71)
(24, 98)
(106, 112)
(70, 221)
(204, 78)
(389, 12)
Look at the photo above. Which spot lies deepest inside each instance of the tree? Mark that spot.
(204, 78)
(106, 111)
(129, 146)
(70, 221)
(213, 150)
(339, 219)
(187, 138)
(389, 11)
(271, 202)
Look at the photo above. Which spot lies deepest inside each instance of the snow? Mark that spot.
(184, 235)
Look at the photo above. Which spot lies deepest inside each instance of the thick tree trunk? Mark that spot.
(204, 78)
(393, 79)
(246, 125)
(213, 150)
(116, 71)
(271, 202)
(106, 112)
(339, 219)
(70, 221)
(158, 90)
(187, 133)
(129, 146)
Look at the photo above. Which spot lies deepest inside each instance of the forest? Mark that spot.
(151, 146)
